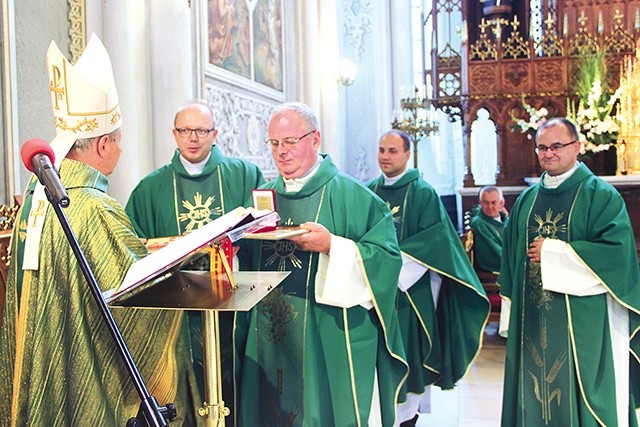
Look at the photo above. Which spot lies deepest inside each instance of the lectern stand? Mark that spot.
(160, 283)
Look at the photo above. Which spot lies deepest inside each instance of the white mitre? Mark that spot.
(85, 105)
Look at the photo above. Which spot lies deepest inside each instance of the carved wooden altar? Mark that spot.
(502, 59)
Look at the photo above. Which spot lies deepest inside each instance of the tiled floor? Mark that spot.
(477, 399)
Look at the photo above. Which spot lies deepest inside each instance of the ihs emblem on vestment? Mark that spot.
(548, 226)
(199, 212)
(281, 251)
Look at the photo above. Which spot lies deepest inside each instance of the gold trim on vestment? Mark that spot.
(354, 391)
(175, 202)
(575, 358)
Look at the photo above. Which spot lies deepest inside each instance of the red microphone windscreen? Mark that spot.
(35, 146)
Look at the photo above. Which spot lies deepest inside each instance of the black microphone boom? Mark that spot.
(38, 157)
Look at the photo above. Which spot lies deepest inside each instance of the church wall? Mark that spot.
(34, 30)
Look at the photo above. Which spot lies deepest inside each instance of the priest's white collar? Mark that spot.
(393, 180)
(294, 185)
(194, 168)
(555, 181)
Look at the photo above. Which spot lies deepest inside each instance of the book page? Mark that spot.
(183, 249)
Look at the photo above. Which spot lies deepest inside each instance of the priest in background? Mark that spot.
(442, 307)
(488, 223)
(59, 365)
(570, 269)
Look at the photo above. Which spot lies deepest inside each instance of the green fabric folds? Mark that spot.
(440, 342)
(58, 363)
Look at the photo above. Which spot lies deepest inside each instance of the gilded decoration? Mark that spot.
(619, 40)
(77, 28)
(550, 44)
(484, 79)
(448, 57)
(484, 49)
(515, 46)
(584, 42)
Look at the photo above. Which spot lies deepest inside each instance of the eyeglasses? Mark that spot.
(541, 149)
(200, 133)
(287, 143)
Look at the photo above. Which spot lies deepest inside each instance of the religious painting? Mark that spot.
(245, 40)
(268, 43)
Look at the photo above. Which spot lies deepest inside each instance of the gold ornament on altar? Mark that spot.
(629, 116)
(413, 120)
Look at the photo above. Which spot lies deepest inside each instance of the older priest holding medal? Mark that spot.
(570, 270)
(323, 348)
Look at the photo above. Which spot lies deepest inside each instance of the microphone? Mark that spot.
(38, 156)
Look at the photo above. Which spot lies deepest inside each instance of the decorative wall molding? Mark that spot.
(362, 171)
(242, 126)
(77, 28)
(357, 23)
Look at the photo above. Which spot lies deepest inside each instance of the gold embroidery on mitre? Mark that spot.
(115, 117)
(55, 86)
(89, 124)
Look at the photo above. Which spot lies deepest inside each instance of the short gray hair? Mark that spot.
(490, 189)
(308, 115)
(84, 143)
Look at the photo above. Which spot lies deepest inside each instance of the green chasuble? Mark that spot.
(59, 365)
(487, 240)
(559, 366)
(313, 364)
(170, 202)
(440, 342)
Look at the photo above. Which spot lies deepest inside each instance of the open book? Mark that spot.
(163, 262)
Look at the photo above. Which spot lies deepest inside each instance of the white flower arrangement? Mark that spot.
(536, 118)
(598, 128)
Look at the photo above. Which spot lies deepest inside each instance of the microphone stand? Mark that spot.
(149, 413)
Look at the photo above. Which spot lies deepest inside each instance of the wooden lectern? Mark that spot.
(161, 281)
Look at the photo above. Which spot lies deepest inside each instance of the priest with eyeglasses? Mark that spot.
(570, 271)
(198, 186)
